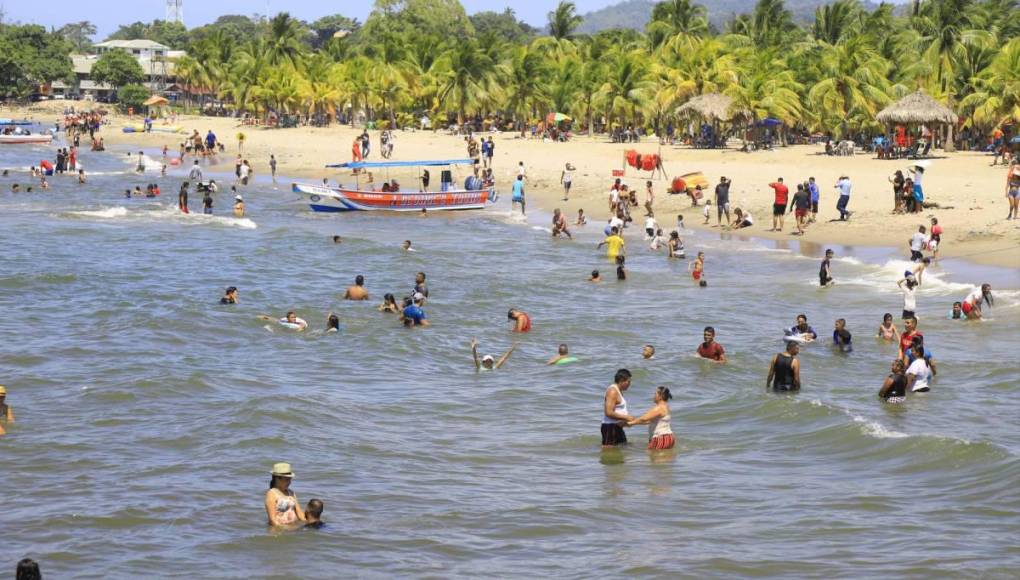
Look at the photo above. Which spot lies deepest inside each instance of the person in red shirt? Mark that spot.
(711, 349)
(522, 322)
(907, 337)
(779, 205)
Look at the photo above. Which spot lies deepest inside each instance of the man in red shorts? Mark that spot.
(779, 205)
(801, 204)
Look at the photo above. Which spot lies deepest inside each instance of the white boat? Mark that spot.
(37, 139)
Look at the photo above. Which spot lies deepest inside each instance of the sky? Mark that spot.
(107, 15)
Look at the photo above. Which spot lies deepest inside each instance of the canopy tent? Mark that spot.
(918, 108)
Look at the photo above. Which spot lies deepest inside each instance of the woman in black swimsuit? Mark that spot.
(894, 389)
(784, 372)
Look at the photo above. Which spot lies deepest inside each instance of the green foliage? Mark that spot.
(325, 27)
(132, 96)
(79, 34)
(171, 34)
(117, 68)
(503, 26)
(31, 56)
(564, 20)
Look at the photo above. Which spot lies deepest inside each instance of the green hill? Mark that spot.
(636, 13)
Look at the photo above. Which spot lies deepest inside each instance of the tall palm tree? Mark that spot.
(627, 89)
(836, 21)
(996, 100)
(284, 42)
(674, 17)
(852, 88)
(468, 76)
(944, 26)
(771, 23)
(526, 73)
(564, 20)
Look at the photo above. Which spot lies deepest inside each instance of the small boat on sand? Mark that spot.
(16, 139)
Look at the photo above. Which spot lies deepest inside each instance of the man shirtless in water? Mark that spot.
(357, 292)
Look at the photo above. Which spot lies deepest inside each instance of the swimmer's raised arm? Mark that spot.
(503, 358)
(474, 353)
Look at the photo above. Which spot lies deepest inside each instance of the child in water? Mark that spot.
(841, 337)
(707, 210)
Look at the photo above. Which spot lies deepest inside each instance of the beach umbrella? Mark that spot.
(1015, 139)
(557, 117)
(156, 100)
(769, 122)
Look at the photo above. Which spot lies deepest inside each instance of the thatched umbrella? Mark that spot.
(919, 109)
(714, 108)
(710, 106)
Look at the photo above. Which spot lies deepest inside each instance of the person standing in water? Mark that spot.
(489, 362)
(562, 356)
(6, 412)
(841, 337)
(282, 507)
(918, 373)
(894, 389)
(207, 203)
(521, 320)
(803, 329)
(357, 291)
(825, 272)
(614, 408)
(272, 167)
(559, 224)
(238, 206)
(182, 198)
(887, 330)
(517, 196)
(660, 432)
(615, 245)
(697, 268)
(710, 349)
(784, 371)
(972, 303)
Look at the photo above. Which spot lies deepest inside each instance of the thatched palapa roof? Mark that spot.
(916, 108)
(710, 106)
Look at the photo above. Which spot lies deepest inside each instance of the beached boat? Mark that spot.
(337, 199)
(37, 139)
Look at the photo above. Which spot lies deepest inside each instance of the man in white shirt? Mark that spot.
(196, 172)
(843, 185)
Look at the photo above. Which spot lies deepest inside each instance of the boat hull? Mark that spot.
(25, 139)
(330, 199)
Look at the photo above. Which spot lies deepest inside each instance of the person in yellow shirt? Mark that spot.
(615, 245)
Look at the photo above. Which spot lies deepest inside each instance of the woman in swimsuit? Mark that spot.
(894, 389)
(887, 330)
(282, 505)
(389, 305)
(660, 434)
(333, 323)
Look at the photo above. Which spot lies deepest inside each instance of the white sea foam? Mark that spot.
(108, 213)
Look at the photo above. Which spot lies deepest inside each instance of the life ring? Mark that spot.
(299, 325)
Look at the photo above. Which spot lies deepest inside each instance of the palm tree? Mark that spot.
(944, 26)
(284, 43)
(771, 23)
(564, 20)
(766, 88)
(674, 17)
(468, 75)
(627, 89)
(852, 88)
(526, 73)
(834, 22)
(997, 98)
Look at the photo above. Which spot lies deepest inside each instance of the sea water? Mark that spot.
(149, 416)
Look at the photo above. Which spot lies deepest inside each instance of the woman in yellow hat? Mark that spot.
(6, 413)
(282, 505)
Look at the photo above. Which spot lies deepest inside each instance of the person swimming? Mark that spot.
(229, 295)
(595, 276)
(389, 305)
(332, 323)
(841, 337)
(489, 362)
(803, 329)
(521, 320)
(562, 356)
(291, 321)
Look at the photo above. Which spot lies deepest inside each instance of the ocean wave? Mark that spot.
(165, 213)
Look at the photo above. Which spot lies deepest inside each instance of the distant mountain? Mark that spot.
(635, 14)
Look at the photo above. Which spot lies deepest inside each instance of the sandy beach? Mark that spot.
(970, 192)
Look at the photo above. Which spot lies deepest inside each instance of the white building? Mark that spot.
(156, 60)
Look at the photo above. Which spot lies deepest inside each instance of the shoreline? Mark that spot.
(973, 192)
